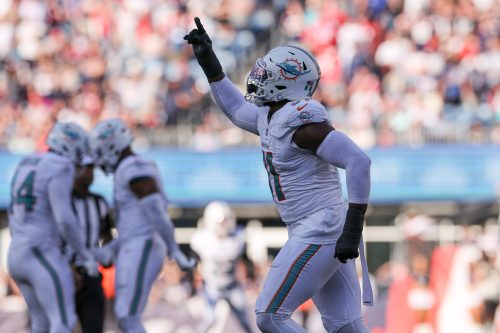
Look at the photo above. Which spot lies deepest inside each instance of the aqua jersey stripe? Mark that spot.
(291, 277)
(57, 283)
(140, 277)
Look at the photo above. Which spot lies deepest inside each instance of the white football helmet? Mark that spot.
(69, 140)
(284, 73)
(219, 218)
(108, 140)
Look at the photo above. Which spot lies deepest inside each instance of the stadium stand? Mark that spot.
(394, 72)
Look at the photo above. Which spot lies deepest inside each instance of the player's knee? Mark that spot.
(328, 325)
(131, 324)
(264, 321)
(67, 326)
(38, 329)
(39, 324)
(356, 326)
(60, 328)
(268, 322)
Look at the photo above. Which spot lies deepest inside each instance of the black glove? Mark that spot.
(348, 243)
(202, 48)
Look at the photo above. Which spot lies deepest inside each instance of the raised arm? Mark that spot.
(242, 113)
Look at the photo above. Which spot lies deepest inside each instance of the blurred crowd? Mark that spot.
(87, 60)
(393, 71)
(396, 71)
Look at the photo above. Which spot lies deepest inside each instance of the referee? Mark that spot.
(93, 214)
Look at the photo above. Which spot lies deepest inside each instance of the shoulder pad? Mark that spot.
(306, 111)
(59, 166)
(137, 167)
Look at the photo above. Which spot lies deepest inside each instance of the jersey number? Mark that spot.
(24, 195)
(268, 162)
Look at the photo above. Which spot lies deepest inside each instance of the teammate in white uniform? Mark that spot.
(40, 219)
(145, 231)
(301, 153)
(220, 246)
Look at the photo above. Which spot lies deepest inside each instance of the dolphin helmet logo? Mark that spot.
(107, 134)
(72, 135)
(291, 69)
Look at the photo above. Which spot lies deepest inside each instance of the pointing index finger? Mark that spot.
(199, 26)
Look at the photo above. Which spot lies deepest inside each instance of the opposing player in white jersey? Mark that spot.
(220, 245)
(301, 153)
(145, 231)
(40, 219)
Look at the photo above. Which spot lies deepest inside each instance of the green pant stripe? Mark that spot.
(291, 277)
(55, 279)
(140, 277)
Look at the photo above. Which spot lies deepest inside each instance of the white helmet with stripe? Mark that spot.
(108, 140)
(284, 73)
(69, 140)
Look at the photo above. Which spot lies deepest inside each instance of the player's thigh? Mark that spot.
(138, 265)
(339, 300)
(39, 321)
(296, 274)
(52, 282)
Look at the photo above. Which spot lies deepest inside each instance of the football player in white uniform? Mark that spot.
(40, 219)
(145, 231)
(220, 245)
(301, 153)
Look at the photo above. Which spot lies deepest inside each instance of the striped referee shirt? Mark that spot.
(92, 211)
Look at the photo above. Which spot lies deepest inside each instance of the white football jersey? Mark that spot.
(301, 182)
(219, 256)
(31, 220)
(131, 222)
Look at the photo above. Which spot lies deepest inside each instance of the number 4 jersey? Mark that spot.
(301, 182)
(30, 215)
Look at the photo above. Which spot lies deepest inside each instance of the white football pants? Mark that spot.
(46, 283)
(138, 264)
(301, 271)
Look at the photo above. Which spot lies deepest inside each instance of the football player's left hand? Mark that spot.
(198, 38)
(202, 49)
(347, 246)
(104, 255)
(182, 261)
(89, 266)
